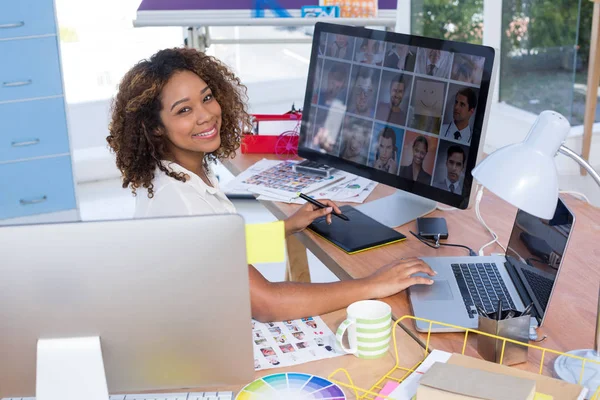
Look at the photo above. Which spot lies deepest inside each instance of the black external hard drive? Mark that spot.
(432, 228)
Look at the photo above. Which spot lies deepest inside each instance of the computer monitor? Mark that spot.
(403, 110)
(168, 297)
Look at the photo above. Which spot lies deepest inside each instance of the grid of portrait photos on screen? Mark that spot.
(405, 110)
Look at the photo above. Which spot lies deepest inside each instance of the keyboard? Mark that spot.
(541, 286)
(481, 285)
(160, 396)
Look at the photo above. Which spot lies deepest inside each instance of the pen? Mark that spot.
(321, 205)
(481, 311)
(527, 309)
(499, 313)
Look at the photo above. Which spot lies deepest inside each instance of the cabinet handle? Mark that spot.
(17, 83)
(15, 25)
(33, 201)
(25, 143)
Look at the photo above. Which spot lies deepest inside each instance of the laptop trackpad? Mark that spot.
(440, 290)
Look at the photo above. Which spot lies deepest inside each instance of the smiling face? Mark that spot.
(419, 153)
(363, 94)
(396, 93)
(191, 117)
(429, 98)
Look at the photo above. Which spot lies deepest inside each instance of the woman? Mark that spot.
(414, 171)
(176, 113)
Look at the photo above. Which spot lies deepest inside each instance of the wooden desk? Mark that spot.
(570, 323)
(364, 373)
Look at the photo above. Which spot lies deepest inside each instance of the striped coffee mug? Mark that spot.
(369, 326)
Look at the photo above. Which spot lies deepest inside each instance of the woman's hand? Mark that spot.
(397, 276)
(307, 214)
(391, 166)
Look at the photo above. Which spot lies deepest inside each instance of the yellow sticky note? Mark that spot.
(541, 396)
(265, 243)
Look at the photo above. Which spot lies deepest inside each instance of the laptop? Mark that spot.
(526, 274)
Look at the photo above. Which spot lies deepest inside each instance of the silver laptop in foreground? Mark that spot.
(168, 297)
(525, 275)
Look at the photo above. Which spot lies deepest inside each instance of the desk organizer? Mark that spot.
(398, 370)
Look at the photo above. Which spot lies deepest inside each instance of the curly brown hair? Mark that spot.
(136, 130)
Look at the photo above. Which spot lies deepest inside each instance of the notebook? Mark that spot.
(359, 234)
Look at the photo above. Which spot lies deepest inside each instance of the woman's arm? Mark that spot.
(289, 300)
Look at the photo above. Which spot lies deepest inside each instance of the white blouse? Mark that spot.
(176, 198)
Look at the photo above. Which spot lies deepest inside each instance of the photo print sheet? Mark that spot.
(281, 344)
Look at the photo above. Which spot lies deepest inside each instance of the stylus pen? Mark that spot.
(527, 309)
(499, 313)
(321, 205)
(482, 311)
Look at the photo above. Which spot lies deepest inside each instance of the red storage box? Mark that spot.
(284, 142)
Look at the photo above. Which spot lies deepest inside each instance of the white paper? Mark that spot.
(281, 344)
(408, 388)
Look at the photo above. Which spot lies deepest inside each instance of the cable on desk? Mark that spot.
(437, 244)
(480, 218)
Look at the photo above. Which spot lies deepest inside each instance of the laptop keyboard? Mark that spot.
(160, 396)
(481, 285)
(541, 286)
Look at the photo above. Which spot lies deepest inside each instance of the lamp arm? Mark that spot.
(581, 161)
(597, 337)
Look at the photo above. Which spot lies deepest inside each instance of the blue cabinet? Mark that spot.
(36, 174)
(30, 68)
(22, 18)
(37, 186)
(25, 133)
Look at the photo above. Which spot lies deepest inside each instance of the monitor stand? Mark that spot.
(70, 369)
(398, 208)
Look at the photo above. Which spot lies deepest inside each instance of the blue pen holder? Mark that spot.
(490, 348)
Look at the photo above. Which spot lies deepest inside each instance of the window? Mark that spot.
(460, 20)
(99, 44)
(544, 56)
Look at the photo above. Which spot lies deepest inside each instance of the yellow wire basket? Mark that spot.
(398, 373)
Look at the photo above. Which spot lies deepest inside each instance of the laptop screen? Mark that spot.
(535, 252)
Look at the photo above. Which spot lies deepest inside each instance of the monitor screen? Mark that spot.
(535, 252)
(403, 110)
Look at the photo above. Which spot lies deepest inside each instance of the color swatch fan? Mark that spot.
(291, 386)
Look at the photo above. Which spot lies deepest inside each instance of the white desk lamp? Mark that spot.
(524, 174)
